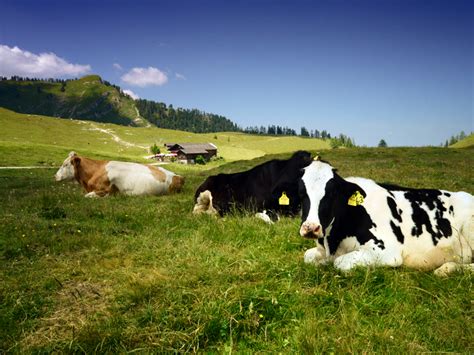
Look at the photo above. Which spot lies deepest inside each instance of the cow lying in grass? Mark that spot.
(358, 222)
(102, 177)
(271, 186)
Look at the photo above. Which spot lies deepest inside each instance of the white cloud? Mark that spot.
(145, 77)
(15, 61)
(131, 94)
(180, 76)
(117, 66)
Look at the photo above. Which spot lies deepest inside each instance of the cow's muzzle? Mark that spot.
(311, 230)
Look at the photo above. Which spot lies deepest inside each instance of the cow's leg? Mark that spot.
(98, 193)
(268, 216)
(367, 257)
(450, 267)
(316, 255)
(99, 186)
(264, 217)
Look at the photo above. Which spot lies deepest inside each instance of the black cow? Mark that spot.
(271, 186)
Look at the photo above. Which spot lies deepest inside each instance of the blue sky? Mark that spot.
(398, 70)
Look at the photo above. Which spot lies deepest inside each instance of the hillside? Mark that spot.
(467, 142)
(87, 98)
(93, 99)
(32, 140)
(164, 116)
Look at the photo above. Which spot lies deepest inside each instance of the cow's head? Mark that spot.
(204, 203)
(66, 171)
(325, 197)
(211, 195)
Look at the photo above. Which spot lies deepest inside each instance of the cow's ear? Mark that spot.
(351, 189)
(76, 161)
(354, 194)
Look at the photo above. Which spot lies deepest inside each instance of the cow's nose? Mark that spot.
(311, 230)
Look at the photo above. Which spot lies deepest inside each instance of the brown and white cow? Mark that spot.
(102, 177)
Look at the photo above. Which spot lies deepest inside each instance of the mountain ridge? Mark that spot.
(94, 99)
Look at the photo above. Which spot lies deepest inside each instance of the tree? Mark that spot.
(382, 144)
(154, 149)
(453, 140)
(304, 132)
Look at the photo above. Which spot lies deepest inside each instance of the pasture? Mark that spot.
(134, 274)
(41, 140)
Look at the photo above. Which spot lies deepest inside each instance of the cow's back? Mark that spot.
(137, 179)
(430, 227)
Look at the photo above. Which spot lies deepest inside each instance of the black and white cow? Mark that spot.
(271, 186)
(358, 222)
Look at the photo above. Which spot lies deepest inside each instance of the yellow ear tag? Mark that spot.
(283, 200)
(356, 199)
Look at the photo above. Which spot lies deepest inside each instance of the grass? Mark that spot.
(41, 140)
(143, 274)
(467, 142)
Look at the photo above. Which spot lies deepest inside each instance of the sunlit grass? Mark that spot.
(125, 274)
(467, 142)
(40, 140)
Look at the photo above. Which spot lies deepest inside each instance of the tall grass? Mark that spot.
(124, 274)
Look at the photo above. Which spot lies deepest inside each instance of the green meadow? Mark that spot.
(142, 274)
(41, 140)
(467, 142)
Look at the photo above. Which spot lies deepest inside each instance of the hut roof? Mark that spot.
(191, 148)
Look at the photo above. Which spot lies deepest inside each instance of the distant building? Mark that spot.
(187, 152)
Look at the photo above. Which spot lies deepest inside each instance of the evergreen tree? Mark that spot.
(304, 132)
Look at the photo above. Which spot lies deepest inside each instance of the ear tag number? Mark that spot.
(283, 200)
(356, 199)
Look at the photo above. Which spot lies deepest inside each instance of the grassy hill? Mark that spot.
(467, 142)
(91, 98)
(142, 274)
(86, 98)
(35, 140)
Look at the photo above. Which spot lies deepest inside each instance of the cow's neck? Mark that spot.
(87, 168)
(354, 222)
(337, 233)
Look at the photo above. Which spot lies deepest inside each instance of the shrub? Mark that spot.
(155, 149)
(200, 160)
